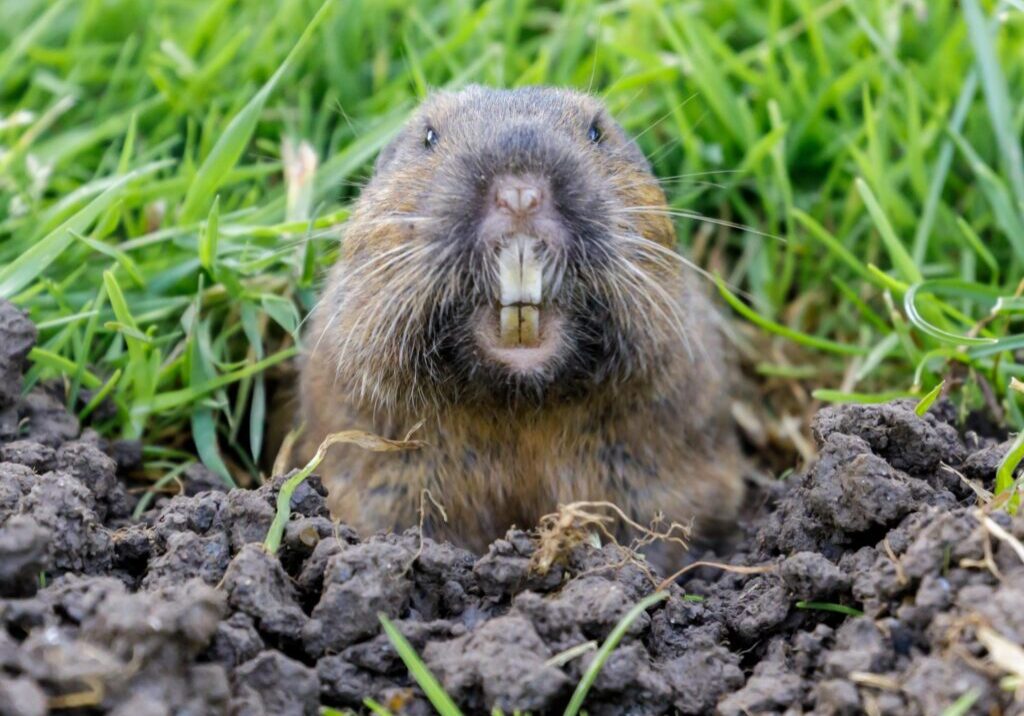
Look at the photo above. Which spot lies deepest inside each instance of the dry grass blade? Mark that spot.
(983, 495)
(365, 440)
(564, 657)
(560, 532)
(1000, 534)
(425, 497)
(1004, 653)
(91, 696)
(735, 568)
(1017, 385)
(284, 453)
(878, 681)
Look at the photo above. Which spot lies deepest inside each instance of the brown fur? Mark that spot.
(638, 417)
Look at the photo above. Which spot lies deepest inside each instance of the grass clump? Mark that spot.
(173, 176)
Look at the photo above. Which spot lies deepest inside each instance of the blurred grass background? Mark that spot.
(173, 176)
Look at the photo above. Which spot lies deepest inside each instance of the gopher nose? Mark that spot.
(519, 195)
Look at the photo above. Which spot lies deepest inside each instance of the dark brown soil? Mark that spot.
(185, 613)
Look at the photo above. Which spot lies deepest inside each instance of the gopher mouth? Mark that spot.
(522, 332)
(521, 281)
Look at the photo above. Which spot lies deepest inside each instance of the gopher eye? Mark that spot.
(594, 133)
(430, 138)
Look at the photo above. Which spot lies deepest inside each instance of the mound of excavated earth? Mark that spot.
(183, 612)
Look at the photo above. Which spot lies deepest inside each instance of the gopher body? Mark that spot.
(509, 279)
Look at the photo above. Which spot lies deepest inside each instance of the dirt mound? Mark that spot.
(185, 613)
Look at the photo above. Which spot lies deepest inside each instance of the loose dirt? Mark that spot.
(183, 612)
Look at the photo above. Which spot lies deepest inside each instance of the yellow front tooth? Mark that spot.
(520, 274)
(509, 333)
(529, 326)
(531, 276)
(510, 275)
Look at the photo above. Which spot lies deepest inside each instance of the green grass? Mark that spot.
(435, 693)
(830, 607)
(963, 704)
(609, 645)
(445, 706)
(871, 148)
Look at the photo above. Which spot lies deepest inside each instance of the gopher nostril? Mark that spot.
(529, 197)
(518, 195)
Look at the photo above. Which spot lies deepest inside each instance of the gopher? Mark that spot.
(509, 279)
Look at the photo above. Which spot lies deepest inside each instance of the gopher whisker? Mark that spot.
(380, 263)
(700, 174)
(645, 244)
(645, 284)
(684, 214)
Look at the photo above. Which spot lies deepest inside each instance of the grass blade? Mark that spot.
(440, 700)
(1009, 464)
(962, 706)
(784, 331)
(830, 607)
(367, 441)
(993, 83)
(208, 237)
(929, 398)
(184, 396)
(375, 708)
(833, 244)
(840, 396)
(100, 395)
(914, 316)
(897, 253)
(204, 435)
(43, 357)
(258, 402)
(33, 261)
(997, 193)
(25, 39)
(941, 170)
(235, 138)
(578, 696)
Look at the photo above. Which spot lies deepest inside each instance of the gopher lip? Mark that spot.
(536, 358)
(521, 283)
